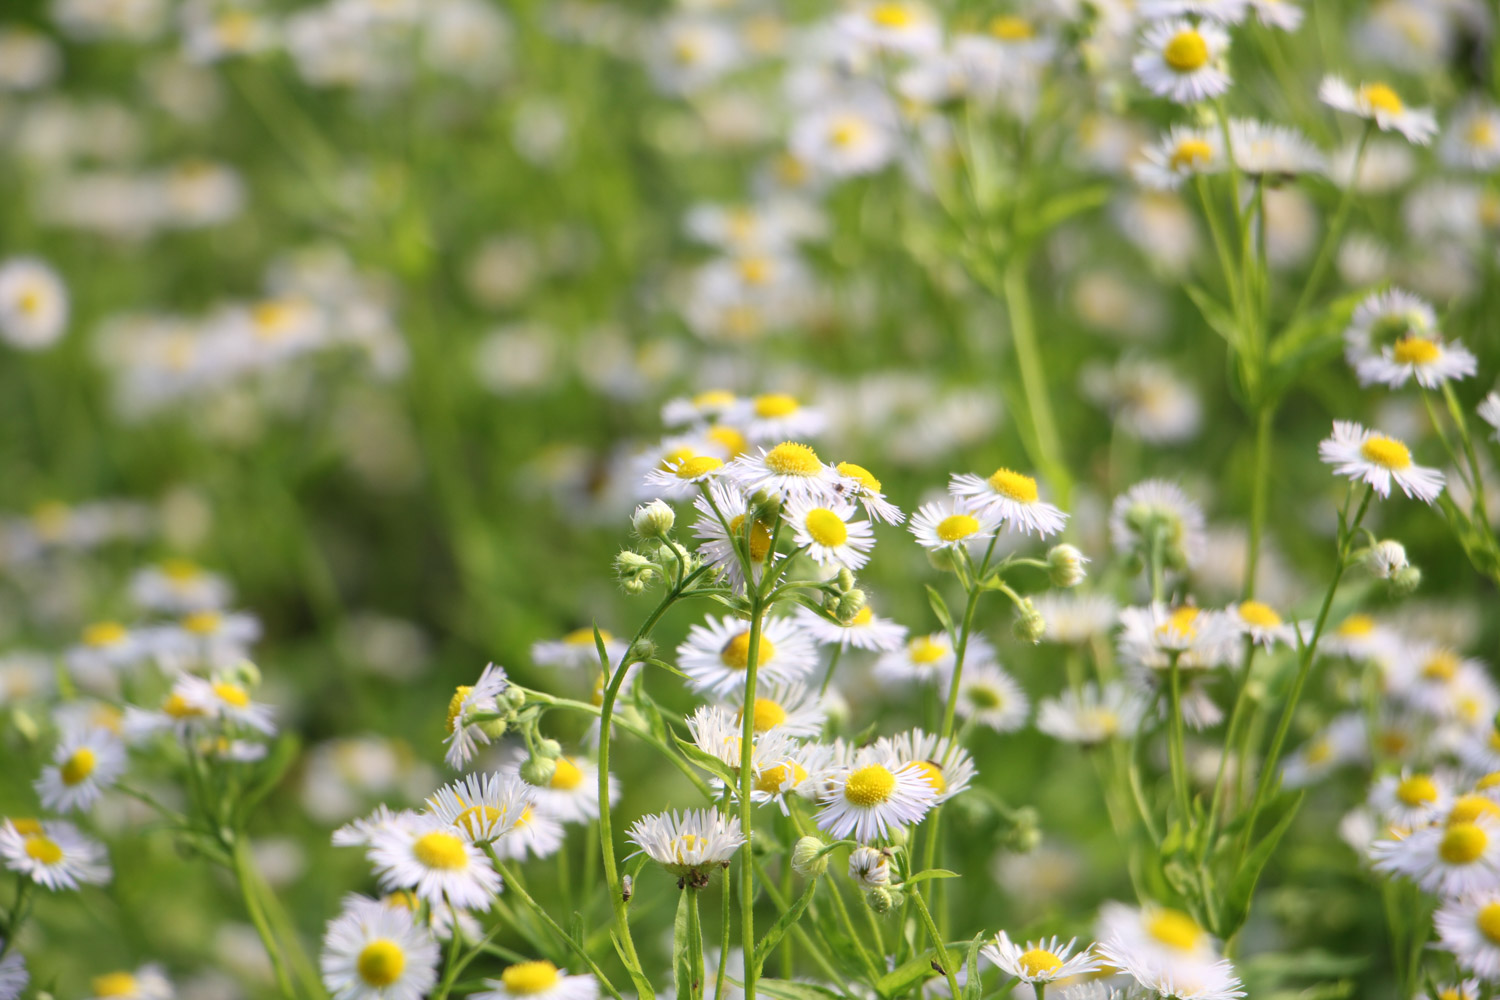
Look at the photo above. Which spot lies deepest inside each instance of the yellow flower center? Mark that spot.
(1009, 28)
(180, 570)
(700, 465)
(686, 845)
(566, 776)
(1013, 486)
(1393, 742)
(755, 270)
(863, 617)
(26, 826)
(775, 405)
(40, 847)
(114, 984)
(846, 132)
(1388, 453)
(202, 623)
(29, 302)
(1038, 962)
(1416, 351)
(826, 528)
(530, 977)
(932, 774)
(1468, 808)
(675, 457)
(1181, 623)
(892, 15)
(1382, 98)
(766, 716)
(957, 527)
(870, 786)
(1417, 790)
(1100, 720)
(1190, 153)
(456, 705)
(79, 765)
(401, 899)
(1258, 613)
(1175, 929)
(736, 652)
(232, 694)
(731, 440)
(102, 634)
(924, 651)
(1488, 922)
(1185, 52)
(792, 459)
(1441, 666)
(1463, 843)
(1481, 132)
(440, 850)
(475, 820)
(773, 779)
(719, 398)
(1356, 626)
(179, 707)
(760, 537)
(380, 962)
(1493, 778)
(859, 474)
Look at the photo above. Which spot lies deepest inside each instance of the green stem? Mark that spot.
(244, 874)
(1335, 229)
(937, 944)
(1175, 740)
(747, 787)
(1033, 381)
(514, 885)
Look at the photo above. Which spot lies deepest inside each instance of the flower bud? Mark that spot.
(766, 506)
(653, 520)
(493, 728)
(1406, 580)
(538, 771)
(880, 900)
(943, 560)
(1025, 833)
(246, 674)
(844, 582)
(641, 650)
(850, 605)
(1385, 559)
(1029, 625)
(512, 697)
(1065, 566)
(550, 749)
(899, 836)
(806, 860)
(869, 868)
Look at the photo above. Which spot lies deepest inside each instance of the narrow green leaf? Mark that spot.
(783, 924)
(940, 608)
(930, 873)
(707, 761)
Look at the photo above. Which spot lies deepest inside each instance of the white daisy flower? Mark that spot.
(148, 982)
(1266, 149)
(178, 587)
(1011, 497)
(825, 530)
(1472, 139)
(1263, 624)
(1198, 638)
(873, 794)
(1342, 742)
(1489, 412)
(539, 980)
(537, 834)
(790, 469)
(1371, 457)
(1073, 618)
(928, 659)
(1361, 637)
(684, 477)
(468, 704)
(1091, 715)
(792, 709)
(715, 656)
(1183, 152)
(429, 857)
(866, 631)
(857, 483)
(53, 853)
(1039, 961)
(1182, 61)
(1378, 103)
(899, 26)
(376, 952)
(689, 844)
(1152, 505)
(869, 868)
(106, 647)
(720, 548)
(1166, 951)
(1450, 860)
(84, 765)
(482, 807)
(33, 304)
(225, 700)
(944, 763)
(572, 793)
(953, 523)
(846, 138)
(1427, 359)
(688, 53)
(209, 639)
(1384, 318)
(989, 696)
(577, 650)
(776, 417)
(1469, 927)
(1411, 799)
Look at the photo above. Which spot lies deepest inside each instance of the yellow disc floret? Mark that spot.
(736, 652)
(1463, 843)
(1185, 52)
(440, 850)
(1013, 486)
(1388, 453)
(870, 786)
(380, 962)
(826, 528)
(793, 459)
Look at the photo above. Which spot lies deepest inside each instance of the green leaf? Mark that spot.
(269, 774)
(642, 984)
(1219, 319)
(1236, 907)
(603, 653)
(1060, 208)
(707, 761)
(785, 989)
(906, 975)
(973, 986)
(682, 959)
(930, 873)
(940, 608)
(783, 924)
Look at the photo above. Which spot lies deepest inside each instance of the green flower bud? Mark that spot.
(806, 860)
(1406, 580)
(844, 582)
(850, 605)
(550, 749)
(1385, 559)
(494, 728)
(653, 520)
(641, 650)
(1029, 625)
(880, 900)
(538, 771)
(1065, 565)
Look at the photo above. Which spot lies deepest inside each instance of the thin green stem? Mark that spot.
(1049, 448)
(1335, 229)
(244, 875)
(937, 943)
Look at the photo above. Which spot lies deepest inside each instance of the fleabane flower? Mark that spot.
(1183, 61)
(1091, 715)
(866, 631)
(953, 524)
(539, 980)
(85, 764)
(1183, 152)
(792, 709)
(683, 477)
(776, 416)
(148, 982)
(482, 807)
(898, 26)
(1469, 928)
(1265, 149)
(791, 469)
(1453, 859)
(773, 771)
(572, 793)
(873, 794)
(536, 834)
(1472, 139)
(1013, 498)
(720, 529)
(715, 656)
(1373, 458)
(1379, 103)
(858, 483)
(689, 844)
(376, 952)
(467, 707)
(990, 697)
(846, 138)
(1263, 624)
(1166, 951)
(1411, 798)
(944, 763)
(33, 304)
(1039, 961)
(430, 857)
(225, 699)
(1425, 358)
(1156, 635)
(927, 659)
(53, 853)
(13, 974)
(829, 534)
